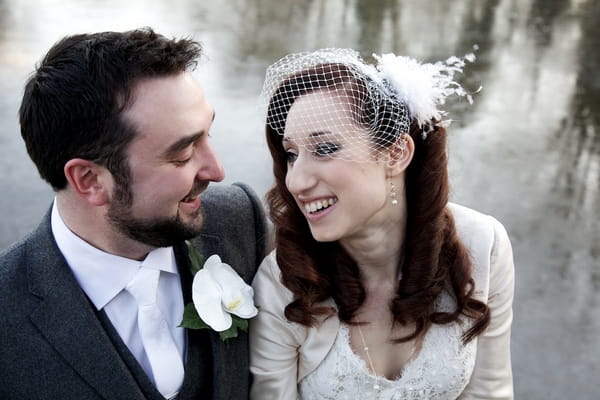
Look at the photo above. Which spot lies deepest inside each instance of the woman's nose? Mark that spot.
(300, 176)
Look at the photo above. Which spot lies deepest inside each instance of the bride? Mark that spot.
(378, 288)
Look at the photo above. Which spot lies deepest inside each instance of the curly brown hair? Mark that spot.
(434, 257)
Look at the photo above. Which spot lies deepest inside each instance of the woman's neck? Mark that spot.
(379, 250)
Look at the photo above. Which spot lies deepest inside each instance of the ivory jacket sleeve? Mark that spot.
(282, 353)
(492, 375)
(274, 341)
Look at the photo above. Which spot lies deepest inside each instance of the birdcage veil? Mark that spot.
(345, 105)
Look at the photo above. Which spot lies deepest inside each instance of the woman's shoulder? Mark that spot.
(268, 289)
(271, 297)
(488, 244)
(476, 229)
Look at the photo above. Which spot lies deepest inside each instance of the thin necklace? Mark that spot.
(376, 386)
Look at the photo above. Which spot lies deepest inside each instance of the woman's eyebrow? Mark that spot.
(312, 135)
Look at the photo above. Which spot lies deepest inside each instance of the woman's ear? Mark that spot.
(401, 155)
(92, 182)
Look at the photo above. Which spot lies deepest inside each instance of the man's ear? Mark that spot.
(92, 182)
(401, 155)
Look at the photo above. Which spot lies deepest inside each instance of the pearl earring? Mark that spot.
(393, 194)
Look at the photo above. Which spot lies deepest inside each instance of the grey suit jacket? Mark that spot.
(55, 345)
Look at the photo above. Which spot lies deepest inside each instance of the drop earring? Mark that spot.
(393, 194)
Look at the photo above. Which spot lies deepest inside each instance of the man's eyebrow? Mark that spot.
(181, 144)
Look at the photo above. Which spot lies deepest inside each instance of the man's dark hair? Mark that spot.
(72, 104)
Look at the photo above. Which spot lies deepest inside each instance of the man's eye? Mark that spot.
(325, 149)
(182, 162)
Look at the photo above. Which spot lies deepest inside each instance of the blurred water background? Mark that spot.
(527, 151)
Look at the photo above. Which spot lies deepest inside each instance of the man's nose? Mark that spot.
(211, 168)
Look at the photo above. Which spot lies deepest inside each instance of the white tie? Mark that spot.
(164, 358)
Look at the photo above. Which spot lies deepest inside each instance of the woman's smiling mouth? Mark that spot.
(319, 205)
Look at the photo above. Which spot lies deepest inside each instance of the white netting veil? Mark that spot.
(335, 104)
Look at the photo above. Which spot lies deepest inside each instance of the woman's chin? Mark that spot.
(321, 235)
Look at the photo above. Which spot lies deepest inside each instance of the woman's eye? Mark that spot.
(325, 149)
(290, 156)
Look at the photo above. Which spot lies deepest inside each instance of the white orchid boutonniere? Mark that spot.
(222, 301)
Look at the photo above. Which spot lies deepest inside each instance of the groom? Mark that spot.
(90, 302)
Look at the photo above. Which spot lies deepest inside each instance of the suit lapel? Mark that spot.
(145, 385)
(199, 369)
(66, 319)
(225, 357)
(229, 380)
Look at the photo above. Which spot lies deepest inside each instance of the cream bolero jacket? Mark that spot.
(283, 352)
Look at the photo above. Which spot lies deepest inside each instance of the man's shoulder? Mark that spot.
(237, 196)
(15, 254)
(235, 227)
(232, 206)
(14, 279)
(33, 246)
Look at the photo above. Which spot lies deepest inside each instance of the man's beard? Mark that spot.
(155, 232)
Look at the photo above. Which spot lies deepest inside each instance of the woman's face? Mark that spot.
(336, 182)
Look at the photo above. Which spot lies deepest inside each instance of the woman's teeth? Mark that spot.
(319, 205)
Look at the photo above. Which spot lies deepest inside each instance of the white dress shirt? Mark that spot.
(103, 277)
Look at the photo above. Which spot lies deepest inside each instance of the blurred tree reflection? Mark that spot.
(542, 16)
(477, 25)
(578, 140)
(4, 13)
(370, 15)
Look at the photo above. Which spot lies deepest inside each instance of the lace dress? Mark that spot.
(441, 370)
